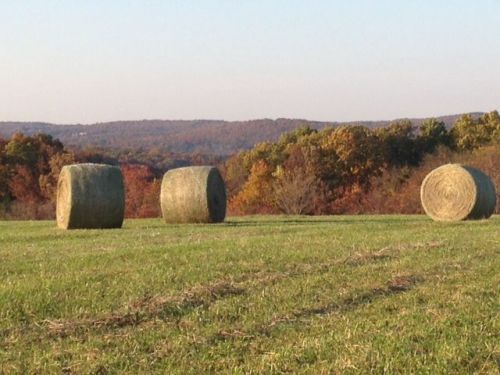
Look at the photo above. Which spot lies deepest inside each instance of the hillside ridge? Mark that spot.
(218, 137)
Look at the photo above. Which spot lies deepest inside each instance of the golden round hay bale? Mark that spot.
(455, 192)
(193, 195)
(90, 196)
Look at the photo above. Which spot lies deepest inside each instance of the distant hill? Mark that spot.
(202, 136)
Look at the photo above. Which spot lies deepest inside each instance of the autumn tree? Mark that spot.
(48, 181)
(4, 175)
(296, 188)
(24, 185)
(235, 174)
(31, 166)
(433, 133)
(492, 122)
(469, 133)
(354, 156)
(256, 193)
(294, 192)
(142, 191)
(398, 144)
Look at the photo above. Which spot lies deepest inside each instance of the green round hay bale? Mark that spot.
(455, 192)
(90, 196)
(193, 195)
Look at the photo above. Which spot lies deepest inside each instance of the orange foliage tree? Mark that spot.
(31, 165)
(256, 194)
(353, 169)
(142, 191)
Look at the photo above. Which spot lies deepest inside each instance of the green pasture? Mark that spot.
(254, 295)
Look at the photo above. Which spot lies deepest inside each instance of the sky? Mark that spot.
(86, 61)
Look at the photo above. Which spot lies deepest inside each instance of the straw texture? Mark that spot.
(90, 196)
(193, 195)
(456, 192)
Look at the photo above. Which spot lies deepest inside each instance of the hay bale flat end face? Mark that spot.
(193, 195)
(90, 196)
(456, 192)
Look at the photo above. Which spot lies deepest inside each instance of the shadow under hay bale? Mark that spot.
(193, 195)
(456, 192)
(90, 196)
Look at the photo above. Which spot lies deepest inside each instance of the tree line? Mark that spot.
(215, 137)
(346, 169)
(30, 166)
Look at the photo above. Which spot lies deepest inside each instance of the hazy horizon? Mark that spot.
(246, 120)
(329, 61)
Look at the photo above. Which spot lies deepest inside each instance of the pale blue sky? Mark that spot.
(89, 61)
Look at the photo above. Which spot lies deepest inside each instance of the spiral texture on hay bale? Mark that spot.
(455, 192)
(90, 196)
(193, 195)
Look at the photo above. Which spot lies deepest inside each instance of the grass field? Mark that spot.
(255, 295)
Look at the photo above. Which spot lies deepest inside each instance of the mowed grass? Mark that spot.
(255, 295)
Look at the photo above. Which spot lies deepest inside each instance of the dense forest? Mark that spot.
(30, 166)
(335, 169)
(198, 136)
(354, 169)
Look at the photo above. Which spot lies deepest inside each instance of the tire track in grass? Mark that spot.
(174, 307)
(396, 285)
(202, 296)
(159, 307)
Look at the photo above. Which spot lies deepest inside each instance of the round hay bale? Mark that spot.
(90, 196)
(193, 195)
(455, 192)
